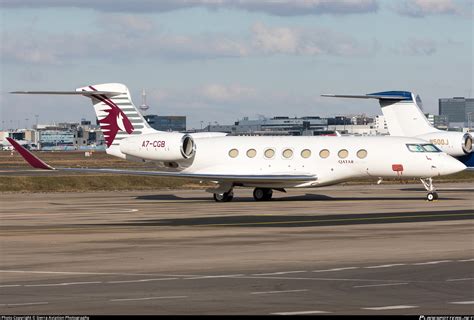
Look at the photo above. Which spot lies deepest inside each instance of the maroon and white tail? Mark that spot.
(117, 115)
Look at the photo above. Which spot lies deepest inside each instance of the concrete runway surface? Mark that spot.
(336, 250)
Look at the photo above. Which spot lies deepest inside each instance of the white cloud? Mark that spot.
(135, 42)
(418, 47)
(279, 7)
(229, 94)
(301, 41)
(126, 23)
(421, 8)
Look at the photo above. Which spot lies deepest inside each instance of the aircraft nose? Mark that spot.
(451, 165)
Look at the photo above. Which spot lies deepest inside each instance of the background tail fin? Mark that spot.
(402, 111)
(117, 115)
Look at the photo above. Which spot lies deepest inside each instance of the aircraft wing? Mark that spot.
(37, 163)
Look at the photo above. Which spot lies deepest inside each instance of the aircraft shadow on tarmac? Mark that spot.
(263, 220)
(306, 197)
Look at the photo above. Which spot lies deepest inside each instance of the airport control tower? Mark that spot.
(144, 106)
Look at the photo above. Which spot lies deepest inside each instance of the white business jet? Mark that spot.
(265, 163)
(403, 114)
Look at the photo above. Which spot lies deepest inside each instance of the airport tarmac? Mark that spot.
(336, 250)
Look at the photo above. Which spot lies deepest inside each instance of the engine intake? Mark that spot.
(188, 148)
(467, 143)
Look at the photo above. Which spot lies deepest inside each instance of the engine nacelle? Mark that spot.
(163, 146)
(453, 143)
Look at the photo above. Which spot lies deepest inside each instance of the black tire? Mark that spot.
(268, 194)
(223, 197)
(262, 194)
(431, 196)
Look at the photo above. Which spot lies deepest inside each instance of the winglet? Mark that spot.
(33, 160)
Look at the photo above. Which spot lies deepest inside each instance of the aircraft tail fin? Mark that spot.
(402, 111)
(117, 115)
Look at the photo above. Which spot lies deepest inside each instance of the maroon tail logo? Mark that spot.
(114, 121)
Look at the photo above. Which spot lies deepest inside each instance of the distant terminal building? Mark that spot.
(458, 110)
(273, 126)
(437, 121)
(51, 139)
(166, 123)
(304, 126)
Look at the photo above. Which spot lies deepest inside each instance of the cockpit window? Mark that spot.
(415, 148)
(430, 148)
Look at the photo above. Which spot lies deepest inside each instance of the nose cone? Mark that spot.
(451, 165)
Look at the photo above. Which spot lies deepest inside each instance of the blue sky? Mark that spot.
(220, 60)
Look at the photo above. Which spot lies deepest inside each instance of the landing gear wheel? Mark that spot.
(428, 184)
(262, 194)
(432, 196)
(224, 197)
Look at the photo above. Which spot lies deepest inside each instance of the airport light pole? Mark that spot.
(469, 121)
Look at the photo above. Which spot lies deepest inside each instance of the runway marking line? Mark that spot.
(212, 277)
(381, 285)
(140, 280)
(10, 285)
(466, 260)
(336, 269)
(277, 273)
(462, 279)
(61, 284)
(431, 262)
(299, 312)
(100, 273)
(462, 302)
(149, 298)
(322, 279)
(22, 304)
(281, 291)
(390, 308)
(386, 266)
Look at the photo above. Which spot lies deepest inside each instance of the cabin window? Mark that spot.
(430, 148)
(288, 153)
(306, 153)
(361, 154)
(251, 153)
(415, 148)
(233, 153)
(343, 153)
(269, 153)
(324, 153)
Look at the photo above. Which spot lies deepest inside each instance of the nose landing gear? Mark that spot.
(428, 184)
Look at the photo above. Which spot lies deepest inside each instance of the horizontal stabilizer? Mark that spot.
(387, 95)
(82, 93)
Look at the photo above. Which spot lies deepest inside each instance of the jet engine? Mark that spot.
(453, 143)
(160, 146)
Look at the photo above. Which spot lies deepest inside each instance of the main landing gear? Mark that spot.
(259, 194)
(428, 184)
(224, 197)
(262, 194)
